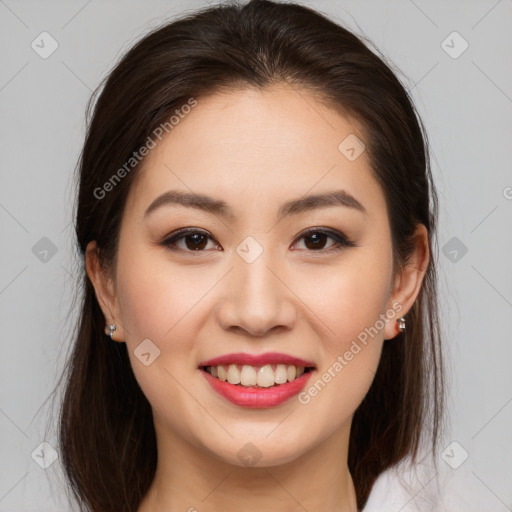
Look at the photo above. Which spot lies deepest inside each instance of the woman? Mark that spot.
(256, 216)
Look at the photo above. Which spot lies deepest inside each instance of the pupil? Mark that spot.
(316, 241)
(198, 242)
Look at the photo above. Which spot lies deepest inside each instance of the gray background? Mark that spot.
(466, 103)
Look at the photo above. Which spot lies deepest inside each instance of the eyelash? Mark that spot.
(342, 241)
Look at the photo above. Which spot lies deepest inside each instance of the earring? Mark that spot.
(109, 331)
(401, 323)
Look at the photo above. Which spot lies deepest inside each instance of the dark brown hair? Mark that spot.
(106, 434)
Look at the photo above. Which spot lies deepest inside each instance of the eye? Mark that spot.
(193, 240)
(315, 240)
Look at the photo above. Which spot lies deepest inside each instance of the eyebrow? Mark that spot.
(221, 208)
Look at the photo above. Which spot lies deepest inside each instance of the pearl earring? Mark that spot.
(110, 331)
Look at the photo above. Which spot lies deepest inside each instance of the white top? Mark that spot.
(393, 492)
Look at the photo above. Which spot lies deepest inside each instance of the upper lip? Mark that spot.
(257, 360)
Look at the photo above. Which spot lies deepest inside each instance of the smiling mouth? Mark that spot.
(266, 376)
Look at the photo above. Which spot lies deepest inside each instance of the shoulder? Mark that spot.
(383, 495)
(394, 491)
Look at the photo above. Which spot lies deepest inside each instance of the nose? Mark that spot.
(257, 299)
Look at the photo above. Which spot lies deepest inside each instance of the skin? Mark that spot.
(255, 150)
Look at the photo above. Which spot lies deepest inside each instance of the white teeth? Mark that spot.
(247, 376)
(233, 374)
(281, 374)
(264, 376)
(223, 375)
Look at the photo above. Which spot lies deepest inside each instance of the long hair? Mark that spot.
(107, 439)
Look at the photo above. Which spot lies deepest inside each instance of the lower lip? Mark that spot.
(253, 397)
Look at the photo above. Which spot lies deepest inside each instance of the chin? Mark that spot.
(259, 449)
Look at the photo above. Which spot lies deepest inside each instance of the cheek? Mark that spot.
(161, 302)
(351, 349)
(156, 297)
(351, 305)
(350, 301)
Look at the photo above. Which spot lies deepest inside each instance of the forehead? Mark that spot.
(261, 147)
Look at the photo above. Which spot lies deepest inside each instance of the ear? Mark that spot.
(409, 280)
(104, 289)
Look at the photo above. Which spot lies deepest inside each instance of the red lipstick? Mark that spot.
(257, 360)
(257, 397)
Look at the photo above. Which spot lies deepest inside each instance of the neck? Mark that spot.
(190, 479)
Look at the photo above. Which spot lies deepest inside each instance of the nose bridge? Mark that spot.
(256, 299)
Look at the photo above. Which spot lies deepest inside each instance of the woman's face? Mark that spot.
(256, 283)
